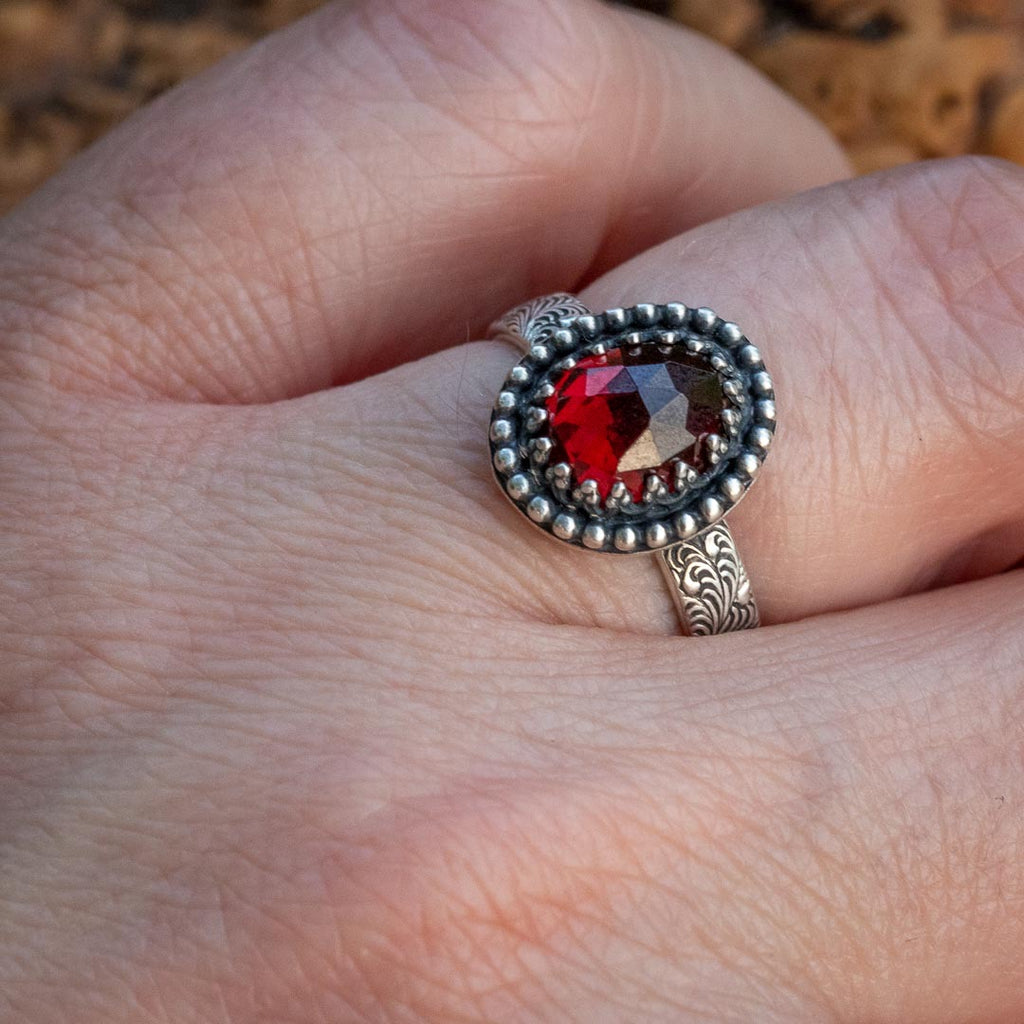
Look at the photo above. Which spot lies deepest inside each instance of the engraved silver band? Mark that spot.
(708, 583)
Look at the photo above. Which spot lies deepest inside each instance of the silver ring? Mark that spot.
(636, 431)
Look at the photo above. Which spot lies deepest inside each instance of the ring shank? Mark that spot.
(533, 322)
(709, 584)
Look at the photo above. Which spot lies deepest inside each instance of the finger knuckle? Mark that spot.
(507, 72)
(940, 248)
(965, 218)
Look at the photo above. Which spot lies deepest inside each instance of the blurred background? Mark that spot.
(895, 80)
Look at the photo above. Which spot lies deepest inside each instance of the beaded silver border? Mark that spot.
(570, 510)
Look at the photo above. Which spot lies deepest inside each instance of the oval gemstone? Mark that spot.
(628, 413)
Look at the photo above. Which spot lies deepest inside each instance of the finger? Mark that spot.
(889, 312)
(376, 182)
(796, 809)
(824, 819)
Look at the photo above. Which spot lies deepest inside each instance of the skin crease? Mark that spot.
(299, 722)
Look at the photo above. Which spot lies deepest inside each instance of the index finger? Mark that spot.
(374, 183)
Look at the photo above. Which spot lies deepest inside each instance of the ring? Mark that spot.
(636, 431)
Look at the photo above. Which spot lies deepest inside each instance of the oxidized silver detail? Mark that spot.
(554, 332)
(709, 584)
(681, 522)
(535, 323)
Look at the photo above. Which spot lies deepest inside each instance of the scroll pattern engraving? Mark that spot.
(710, 584)
(533, 322)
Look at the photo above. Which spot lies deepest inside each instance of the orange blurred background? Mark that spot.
(895, 80)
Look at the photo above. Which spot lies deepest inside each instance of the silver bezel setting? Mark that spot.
(571, 510)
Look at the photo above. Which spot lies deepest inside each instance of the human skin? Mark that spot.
(299, 722)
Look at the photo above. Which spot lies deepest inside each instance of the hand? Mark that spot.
(301, 723)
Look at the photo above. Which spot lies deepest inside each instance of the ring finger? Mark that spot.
(901, 390)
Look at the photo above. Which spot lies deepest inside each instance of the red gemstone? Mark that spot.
(629, 413)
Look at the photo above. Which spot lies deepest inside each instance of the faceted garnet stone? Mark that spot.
(630, 413)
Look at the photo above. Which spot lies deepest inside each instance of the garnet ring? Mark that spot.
(636, 431)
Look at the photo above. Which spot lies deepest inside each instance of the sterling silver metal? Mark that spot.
(709, 584)
(684, 523)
